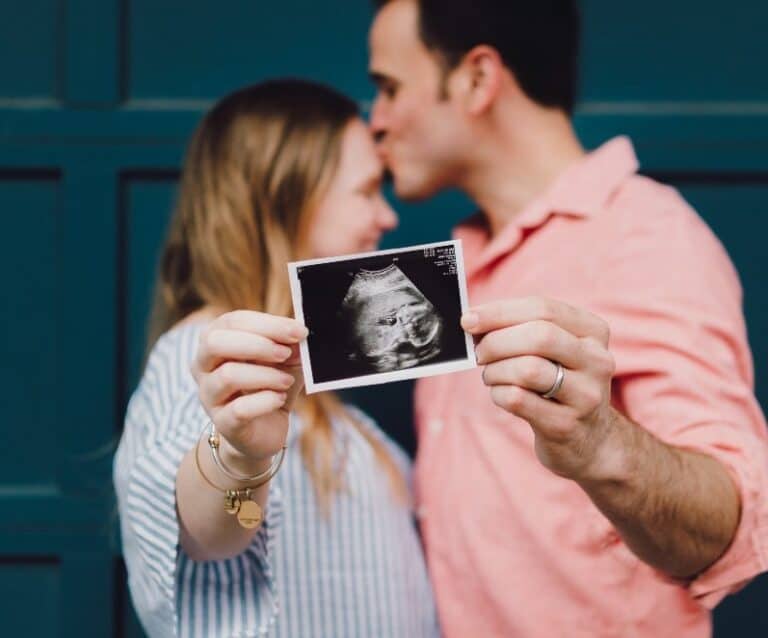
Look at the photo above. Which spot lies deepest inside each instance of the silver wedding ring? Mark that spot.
(559, 377)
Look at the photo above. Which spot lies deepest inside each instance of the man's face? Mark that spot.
(419, 132)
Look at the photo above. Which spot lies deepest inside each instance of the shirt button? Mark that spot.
(435, 426)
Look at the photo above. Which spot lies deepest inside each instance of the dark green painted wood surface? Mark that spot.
(97, 99)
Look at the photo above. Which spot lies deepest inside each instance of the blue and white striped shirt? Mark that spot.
(357, 572)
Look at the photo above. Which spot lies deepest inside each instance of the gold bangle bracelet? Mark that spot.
(214, 442)
(200, 469)
(239, 501)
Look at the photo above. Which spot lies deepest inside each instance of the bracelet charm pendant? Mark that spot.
(239, 502)
(249, 514)
(231, 502)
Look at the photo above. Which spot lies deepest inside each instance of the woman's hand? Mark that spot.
(248, 374)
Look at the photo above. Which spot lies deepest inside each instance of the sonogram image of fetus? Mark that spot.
(392, 324)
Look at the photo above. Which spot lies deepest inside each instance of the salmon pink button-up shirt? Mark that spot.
(513, 549)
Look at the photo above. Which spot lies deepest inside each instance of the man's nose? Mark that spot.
(378, 121)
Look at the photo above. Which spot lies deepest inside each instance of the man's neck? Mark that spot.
(518, 162)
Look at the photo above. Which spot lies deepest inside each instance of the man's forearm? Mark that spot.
(676, 509)
(549, 364)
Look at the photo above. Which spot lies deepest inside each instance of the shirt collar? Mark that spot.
(581, 190)
(586, 186)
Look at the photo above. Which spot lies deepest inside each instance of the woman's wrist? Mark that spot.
(239, 462)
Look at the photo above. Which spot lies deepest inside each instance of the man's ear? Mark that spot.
(481, 70)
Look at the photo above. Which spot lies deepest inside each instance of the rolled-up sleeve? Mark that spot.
(160, 575)
(684, 369)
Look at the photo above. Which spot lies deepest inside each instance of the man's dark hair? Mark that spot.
(538, 40)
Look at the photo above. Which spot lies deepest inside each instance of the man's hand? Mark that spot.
(521, 341)
(676, 509)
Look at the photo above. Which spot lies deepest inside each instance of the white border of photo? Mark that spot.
(382, 377)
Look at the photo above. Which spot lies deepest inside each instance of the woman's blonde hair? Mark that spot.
(254, 170)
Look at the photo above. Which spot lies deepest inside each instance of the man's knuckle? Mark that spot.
(543, 308)
(605, 330)
(592, 398)
(544, 336)
(600, 357)
(512, 397)
(534, 374)
(607, 364)
(485, 351)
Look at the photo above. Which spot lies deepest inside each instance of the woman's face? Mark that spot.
(352, 215)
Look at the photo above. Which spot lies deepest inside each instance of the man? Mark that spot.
(612, 486)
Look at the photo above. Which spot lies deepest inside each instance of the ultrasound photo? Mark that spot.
(382, 316)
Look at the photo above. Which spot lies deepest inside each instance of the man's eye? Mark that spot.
(389, 91)
(387, 321)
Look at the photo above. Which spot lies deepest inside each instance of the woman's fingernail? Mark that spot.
(282, 353)
(299, 332)
(470, 320)
(287, 381)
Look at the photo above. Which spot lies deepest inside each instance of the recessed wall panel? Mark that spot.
(30, 591)
(216, 48)
(147, 201)
(30, 49)
(687, 51)
(29, 307)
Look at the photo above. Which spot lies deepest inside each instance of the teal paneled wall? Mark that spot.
(31, 584)
(97, 99)
(147, 204)
(28, 49)
(687, 51)
(216, 51)
(735, 209)
(30, 253)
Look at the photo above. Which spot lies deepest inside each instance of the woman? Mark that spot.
(323, 545)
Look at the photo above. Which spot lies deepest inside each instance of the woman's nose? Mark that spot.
(387, 218)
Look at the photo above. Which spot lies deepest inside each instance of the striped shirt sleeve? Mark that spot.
(163, 422)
